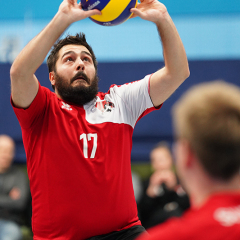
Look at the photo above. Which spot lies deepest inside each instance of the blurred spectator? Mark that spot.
(14, 192)
(207, 128)
(163, 197)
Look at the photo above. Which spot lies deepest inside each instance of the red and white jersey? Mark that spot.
(217, 219)
(78, 161)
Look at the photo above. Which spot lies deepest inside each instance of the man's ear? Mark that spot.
(52, 78)
(190, 154)
(184, 152)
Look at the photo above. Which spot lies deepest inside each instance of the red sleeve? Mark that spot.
(27, 117)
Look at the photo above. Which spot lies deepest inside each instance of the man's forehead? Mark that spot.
(73, 48)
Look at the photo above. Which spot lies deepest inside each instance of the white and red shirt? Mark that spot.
(78, 161)
(217, 219)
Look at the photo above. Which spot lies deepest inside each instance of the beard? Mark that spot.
(79, 95)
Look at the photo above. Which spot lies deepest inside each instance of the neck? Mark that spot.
(56, 92)
(208, 186)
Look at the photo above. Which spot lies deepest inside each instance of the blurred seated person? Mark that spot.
(14, 192)
(163, 196)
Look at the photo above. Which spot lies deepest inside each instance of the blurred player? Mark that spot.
(207, 126)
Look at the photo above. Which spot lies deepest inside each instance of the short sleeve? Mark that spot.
(136, 99)
(27, 117)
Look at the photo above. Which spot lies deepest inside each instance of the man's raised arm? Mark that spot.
(166, 80)
(24, 84)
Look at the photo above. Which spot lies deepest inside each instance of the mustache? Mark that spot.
(80, 75)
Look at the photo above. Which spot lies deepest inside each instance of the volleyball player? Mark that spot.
(78, 140)
(207, 127)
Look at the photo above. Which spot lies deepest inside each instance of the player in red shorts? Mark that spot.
(207, 127)
(78, 140)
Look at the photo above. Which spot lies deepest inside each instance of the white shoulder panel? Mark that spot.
(122, 104)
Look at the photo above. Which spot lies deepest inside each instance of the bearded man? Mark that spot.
(78, 140)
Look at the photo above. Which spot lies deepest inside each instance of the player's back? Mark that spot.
(217, 219)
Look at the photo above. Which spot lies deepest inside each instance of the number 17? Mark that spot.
(86, 138)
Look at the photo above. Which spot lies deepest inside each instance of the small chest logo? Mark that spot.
(66, 106)
(105, 106)
(228, 216)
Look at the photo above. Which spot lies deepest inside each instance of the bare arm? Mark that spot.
(24, 84)
(166, 80)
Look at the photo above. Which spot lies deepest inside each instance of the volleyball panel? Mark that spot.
(114, 12)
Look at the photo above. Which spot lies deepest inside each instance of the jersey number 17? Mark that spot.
(86, 138)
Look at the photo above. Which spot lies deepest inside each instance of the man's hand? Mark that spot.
(150, 10)
(158, 178)
(15, 193)
(74, 11)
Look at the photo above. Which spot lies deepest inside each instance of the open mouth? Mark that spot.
(80, 77)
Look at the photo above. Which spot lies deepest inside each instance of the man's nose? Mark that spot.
(80, 65)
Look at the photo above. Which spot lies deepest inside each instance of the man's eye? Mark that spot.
(69, 59)
(86, 59)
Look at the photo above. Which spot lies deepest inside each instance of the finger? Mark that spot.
(93, 12)
(71, 2)
(133, 15)
(136, 12)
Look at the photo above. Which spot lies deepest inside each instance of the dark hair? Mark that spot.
(78, 39)
(162, 144)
